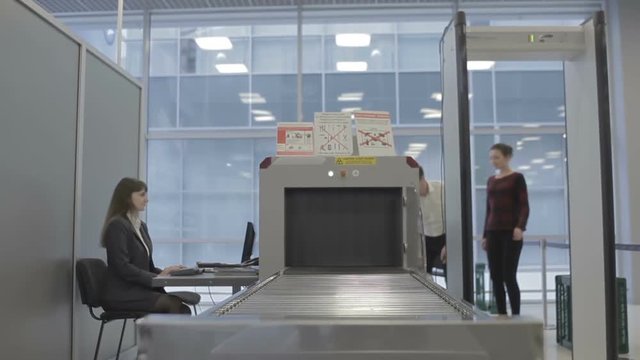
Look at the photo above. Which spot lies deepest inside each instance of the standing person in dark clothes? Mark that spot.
(505, 222)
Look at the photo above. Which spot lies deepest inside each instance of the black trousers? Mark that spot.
(434, 245)
(503, 254)
(170, 304)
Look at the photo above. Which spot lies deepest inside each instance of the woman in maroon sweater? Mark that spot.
(506, 220)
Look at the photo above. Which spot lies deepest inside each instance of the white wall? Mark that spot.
(624, 54)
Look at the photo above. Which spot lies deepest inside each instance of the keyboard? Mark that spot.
(217, 265)
(186, 272)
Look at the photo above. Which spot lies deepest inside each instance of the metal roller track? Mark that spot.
(346, 295)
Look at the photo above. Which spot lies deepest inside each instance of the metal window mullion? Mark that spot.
(144, 109)
(396, 68)
(77, 211)
(181, 198)
(250, 75)
(119, 16)
(323, 79)
(299, 80)
(178, 77)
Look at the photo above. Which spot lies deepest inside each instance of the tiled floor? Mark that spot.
(553, 351)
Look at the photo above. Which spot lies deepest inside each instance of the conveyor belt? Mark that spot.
(397, 295)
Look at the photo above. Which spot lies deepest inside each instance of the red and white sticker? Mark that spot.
(295, 139)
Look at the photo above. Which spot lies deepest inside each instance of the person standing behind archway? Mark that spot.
(432, 220)
(505, 222)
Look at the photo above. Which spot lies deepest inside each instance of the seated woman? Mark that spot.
(129, 256)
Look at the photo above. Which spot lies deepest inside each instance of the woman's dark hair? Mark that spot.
(121, 200)
(420, 172)
(506, 150)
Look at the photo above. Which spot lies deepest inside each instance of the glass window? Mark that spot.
(163, 57)
(419, 52)
(164, 178)
(132, 55)
(158, 32)
(100, 36)
(279, 55)
(482, 167)
(541, 158)
(427, 150)
(166, 254)
(481, 97)
(311, 54)
(547, 212)
(226, 252)
(165, 166)
(216, 101)
(481, 211)
(196, 58)
(530, 96)
(163, 102)
(420, 97)
(275, 55)
(103, 37)
(280, 98)
(345, 92)
(379, 55)
(164, 214)
(218, 187)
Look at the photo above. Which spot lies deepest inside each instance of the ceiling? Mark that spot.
(65, 6)
(75, 6)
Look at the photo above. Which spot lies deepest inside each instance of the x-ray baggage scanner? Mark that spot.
(317, 212)
(342, 277)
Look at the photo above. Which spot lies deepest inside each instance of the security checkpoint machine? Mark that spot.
(582, 51)
(342, 276)
(342, 273)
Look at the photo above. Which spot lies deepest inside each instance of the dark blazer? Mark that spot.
(130, 268)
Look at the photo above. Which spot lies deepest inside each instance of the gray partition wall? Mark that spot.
(38, 105)
(69, 129)
(109, 152)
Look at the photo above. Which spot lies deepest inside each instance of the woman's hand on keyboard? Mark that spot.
(169, 269)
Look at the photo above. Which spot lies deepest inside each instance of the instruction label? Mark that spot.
(295, 139)
(374, 133)
(333, 133)
(356, 160)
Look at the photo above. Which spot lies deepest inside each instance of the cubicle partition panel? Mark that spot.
(110, 139)
(69, 129)
(38, 107)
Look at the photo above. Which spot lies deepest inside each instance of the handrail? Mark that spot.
(557, 245)
(628, 247)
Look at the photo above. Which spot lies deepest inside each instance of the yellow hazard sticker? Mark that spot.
(356, 160)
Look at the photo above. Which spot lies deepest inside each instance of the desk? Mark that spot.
(234, 279)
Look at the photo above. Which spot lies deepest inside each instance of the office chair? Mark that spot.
(91, 275)
(188, 298)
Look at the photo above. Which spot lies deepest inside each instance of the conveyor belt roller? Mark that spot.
(400, 294)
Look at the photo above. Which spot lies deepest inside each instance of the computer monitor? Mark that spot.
(249, 238)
